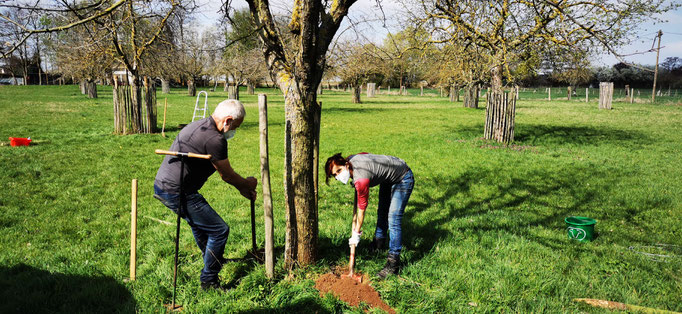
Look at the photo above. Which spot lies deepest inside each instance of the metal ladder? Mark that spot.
(202, 111)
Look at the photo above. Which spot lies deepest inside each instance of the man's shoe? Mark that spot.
(392, 266)
(377, 245)
(212, 285)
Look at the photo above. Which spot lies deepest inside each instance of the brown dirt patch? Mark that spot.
(350, 291)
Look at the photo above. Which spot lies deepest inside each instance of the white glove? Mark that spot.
(354, 240)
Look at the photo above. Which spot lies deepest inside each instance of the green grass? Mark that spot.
(484, 224)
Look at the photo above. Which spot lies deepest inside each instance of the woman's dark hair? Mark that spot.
(338, 160)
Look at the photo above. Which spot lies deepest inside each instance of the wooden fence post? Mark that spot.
(265, 180)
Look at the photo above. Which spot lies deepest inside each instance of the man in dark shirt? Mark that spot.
(206, 136)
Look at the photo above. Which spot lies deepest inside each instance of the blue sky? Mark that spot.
(671, 43)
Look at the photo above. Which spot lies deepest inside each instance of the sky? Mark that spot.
(671, 41)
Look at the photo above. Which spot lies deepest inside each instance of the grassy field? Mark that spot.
(483, 231)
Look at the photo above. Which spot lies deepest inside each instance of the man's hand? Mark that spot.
(249, 189)
(354, 240)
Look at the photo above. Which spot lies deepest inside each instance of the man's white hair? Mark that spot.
(229, 107)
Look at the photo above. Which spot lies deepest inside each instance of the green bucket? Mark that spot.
(580, 228)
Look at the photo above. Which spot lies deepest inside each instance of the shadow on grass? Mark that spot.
(327, 110)
(481, 201)
(25, 289)
(539, 134)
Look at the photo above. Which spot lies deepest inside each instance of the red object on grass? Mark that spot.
(19, 141)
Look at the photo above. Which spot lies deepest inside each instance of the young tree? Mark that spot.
(297, 70)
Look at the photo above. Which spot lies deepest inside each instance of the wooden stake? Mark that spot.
(265, 180)
(163, 126)
(587, 94)
(632, 95)
(133, 230)
(611, 305)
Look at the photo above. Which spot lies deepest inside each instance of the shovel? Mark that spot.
(351, 263)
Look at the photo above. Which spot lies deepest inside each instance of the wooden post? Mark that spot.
(632, 95)
(587, 94)
(549, 94)
(422, 91)
(569, 90)
(163, 126)
(265, 180)
(133, 230)
(316, 149)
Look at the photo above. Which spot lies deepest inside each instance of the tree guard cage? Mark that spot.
(605, 95)
(499, 117)
(135, 108)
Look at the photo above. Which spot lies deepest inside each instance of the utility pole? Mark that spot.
(658, 51)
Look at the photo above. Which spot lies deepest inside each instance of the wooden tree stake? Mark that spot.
(133, 230)
(265, 180)
(163, 126)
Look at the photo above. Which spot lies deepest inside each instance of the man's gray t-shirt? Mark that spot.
(201, 137)
(378, 168)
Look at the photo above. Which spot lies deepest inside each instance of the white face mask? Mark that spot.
(228, 134)
(343, 176)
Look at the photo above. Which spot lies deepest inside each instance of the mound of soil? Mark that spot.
(350, 291)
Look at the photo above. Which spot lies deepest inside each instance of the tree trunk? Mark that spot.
(471, 96)
(250, 88)
(91, 88)
(233, 92)
(452, 93)
(83, 86)
(355, 91)
(496, 78)
(227, 83)
(191, 88)
(165, 86)
(301, 213)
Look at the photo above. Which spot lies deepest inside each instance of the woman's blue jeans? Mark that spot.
(209, 229)
(392, 201)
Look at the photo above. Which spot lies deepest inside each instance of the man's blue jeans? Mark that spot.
(392, 201)
(209, 229)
